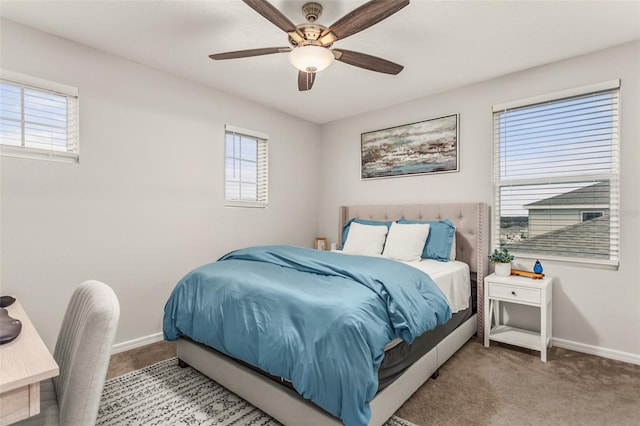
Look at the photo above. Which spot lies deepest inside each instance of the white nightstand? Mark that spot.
(523, 291)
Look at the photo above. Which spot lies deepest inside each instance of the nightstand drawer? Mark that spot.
(517, 294)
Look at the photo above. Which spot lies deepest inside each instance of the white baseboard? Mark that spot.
(136, 343)
(597, 350)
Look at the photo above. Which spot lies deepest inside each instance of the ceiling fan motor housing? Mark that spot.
(310, 35)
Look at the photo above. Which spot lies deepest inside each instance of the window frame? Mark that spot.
(72, 152)
(613, 176)
(262, 168)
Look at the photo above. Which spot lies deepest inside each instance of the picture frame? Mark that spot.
(424, 147)
(321, 243)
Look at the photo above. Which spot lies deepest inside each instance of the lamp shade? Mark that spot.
(311, 58)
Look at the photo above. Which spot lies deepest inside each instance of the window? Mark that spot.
(591, 215)
(556, 179)
(38, 118)
(246, 168)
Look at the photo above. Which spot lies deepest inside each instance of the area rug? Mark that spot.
(165, 394)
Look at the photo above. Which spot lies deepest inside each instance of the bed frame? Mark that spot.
(286, 405)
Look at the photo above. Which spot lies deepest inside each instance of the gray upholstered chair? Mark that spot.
(83, 350)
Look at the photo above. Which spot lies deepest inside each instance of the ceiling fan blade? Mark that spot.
(363, 17)
(249, 52)
(305, 80)
(272, 14)
(368, 62)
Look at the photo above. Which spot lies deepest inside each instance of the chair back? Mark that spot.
(83, 350)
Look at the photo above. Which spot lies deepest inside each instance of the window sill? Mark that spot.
(246, 204)
(527, 259)
(38, 154)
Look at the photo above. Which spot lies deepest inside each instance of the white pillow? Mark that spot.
(452, 255)
(366, 240)
(406, 241)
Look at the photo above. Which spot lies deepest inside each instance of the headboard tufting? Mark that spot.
(472, 232)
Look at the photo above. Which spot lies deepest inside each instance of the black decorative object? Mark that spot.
(6, 301)
(9, 327)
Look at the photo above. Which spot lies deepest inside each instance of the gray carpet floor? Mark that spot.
(505, 385)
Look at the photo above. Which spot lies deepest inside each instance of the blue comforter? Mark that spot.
(320, 319)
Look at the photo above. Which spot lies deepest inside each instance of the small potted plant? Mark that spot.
(501, 261)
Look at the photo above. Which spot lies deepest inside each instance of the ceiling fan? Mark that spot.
(310, 42)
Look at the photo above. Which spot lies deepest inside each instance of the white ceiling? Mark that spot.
(442, 44)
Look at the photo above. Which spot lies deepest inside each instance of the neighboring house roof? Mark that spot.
(585, 239)
(596, 195)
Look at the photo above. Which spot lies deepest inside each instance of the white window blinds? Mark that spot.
(246, 168)
(38, 119)
(556, 175)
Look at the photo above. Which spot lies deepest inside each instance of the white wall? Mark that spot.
(145, 204)
(595, 310)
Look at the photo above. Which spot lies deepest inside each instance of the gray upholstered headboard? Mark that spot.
(472, 232)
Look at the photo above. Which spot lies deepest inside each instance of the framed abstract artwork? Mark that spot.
(425, 147)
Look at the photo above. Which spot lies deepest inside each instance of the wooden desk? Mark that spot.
(24, 363)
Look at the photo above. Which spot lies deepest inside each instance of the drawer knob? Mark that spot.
(513, 293)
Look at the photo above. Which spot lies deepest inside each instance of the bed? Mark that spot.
(401, 380)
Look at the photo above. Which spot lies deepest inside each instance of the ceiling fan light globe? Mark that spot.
(311, 58)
